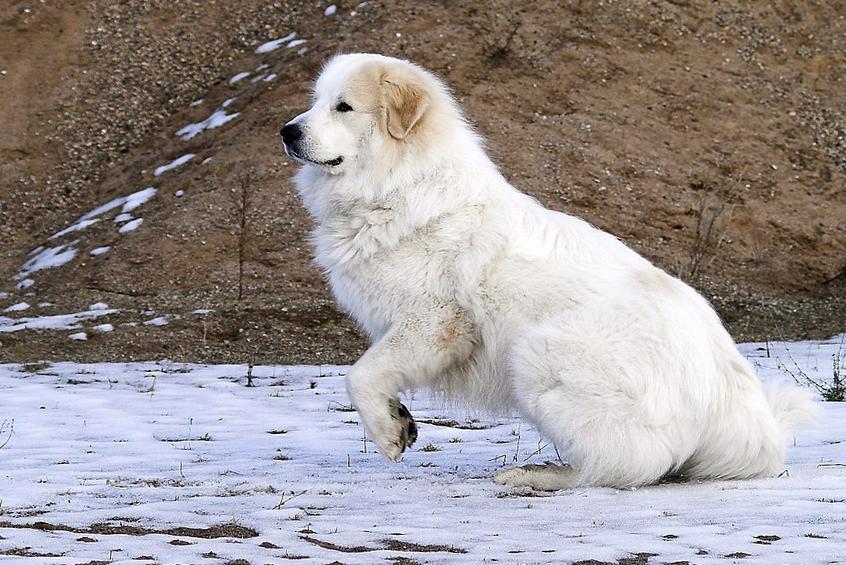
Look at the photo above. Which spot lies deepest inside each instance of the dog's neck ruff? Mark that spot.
(358, 217)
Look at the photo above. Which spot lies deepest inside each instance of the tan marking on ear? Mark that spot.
(405, 104)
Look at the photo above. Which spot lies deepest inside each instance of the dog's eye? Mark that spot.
(343, 107)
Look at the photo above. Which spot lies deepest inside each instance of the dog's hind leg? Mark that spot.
(599, 405)
(548, 476)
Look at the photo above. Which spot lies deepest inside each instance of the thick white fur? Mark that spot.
(469, 287)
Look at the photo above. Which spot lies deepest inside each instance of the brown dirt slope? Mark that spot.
(709, 136)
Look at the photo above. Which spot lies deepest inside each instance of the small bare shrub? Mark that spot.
(713, 219)
(834, 391)
(243, 203)
(496, 30)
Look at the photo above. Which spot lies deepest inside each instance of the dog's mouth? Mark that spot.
(330, 163)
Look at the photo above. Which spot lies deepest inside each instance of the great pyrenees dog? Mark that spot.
(470, 288)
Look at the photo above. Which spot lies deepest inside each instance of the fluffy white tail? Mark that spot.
(792, 406)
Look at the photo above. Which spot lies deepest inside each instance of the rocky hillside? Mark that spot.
(147, 210)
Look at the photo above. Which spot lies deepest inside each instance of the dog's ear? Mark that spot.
(405, 104)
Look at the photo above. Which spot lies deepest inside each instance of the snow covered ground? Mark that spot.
(170, 463)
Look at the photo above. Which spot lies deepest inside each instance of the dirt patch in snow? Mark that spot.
(222, 531)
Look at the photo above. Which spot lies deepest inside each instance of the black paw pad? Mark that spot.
(408, 434)
(411, 431)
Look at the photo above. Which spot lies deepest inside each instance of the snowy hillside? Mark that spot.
(168, 463)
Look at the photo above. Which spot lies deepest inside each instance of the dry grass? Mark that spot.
(834, 391)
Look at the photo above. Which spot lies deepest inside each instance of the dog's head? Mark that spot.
(363, 106)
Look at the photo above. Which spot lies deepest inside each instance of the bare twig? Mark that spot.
(538, 450)
(10, 424)
(710, 231)
(243, 200)
(833, 392)
(517, 448)
(335, 406)
(557, 454)
(284, 500)
(714, 216)
(502, 457)
(497, 30)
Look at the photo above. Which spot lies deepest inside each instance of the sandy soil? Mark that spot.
(710, 137)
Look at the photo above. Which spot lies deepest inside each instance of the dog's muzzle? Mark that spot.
(291, 135)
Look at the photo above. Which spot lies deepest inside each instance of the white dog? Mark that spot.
(468, 287)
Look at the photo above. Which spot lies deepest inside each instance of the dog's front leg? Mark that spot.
(406, 358)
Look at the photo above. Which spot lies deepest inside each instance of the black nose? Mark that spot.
(291, 133)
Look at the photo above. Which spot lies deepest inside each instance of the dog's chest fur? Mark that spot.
(372, 256)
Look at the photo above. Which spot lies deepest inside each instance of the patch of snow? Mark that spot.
(121, 218)
(177, 162)
(19, 307)
(100, 250)
(228, 102)
(257, 78)
(78, 226)
(330, 10)
(202, 311)
(239, 77)
(217, 119)
(48, 258)
(45, 304)
(262, 66)
(196, 102)
(99, 306)
(136, 199)
(4, 295)
(295, 43)
(104, 328)
(107, 207)
(161, 320)
(26, 283)
(130, 226)
(179, 193)
(270, 77)
(129, 203)
(81, 336)
(207, 160)
(56, 322)
(302, 51)
(288, 456)
(275, 44)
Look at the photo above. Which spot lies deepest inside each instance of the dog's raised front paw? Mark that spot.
(401, 431)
